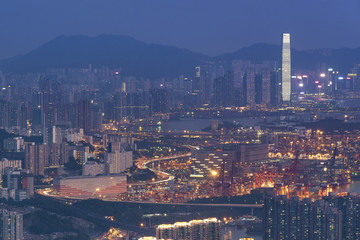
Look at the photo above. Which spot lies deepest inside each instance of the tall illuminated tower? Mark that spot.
(286, 68)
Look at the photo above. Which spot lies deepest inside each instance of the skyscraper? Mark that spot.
(275, 87)
(224, 90)
(159, 101)
(286, 68)
(249, 87)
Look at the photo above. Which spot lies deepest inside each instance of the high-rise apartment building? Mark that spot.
(36, 158)
(11, 225)
(224, 90)
(83, 115)
(207, 229)
(5, 163)
(348, 205)
(275, 87)
(304, 220)
(135, 105)
(49, 120)
(159, 101)
(249, 87)
(286, 68)
(118, 161)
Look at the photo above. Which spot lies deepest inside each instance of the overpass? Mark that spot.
(103, 221)
(228, 205)
(166, 177)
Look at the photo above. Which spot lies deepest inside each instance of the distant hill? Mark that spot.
(134, 57)
(137, 58)
(342, 59)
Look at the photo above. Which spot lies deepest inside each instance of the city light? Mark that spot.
(157, 134)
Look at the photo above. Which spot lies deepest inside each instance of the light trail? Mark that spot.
(143, 165)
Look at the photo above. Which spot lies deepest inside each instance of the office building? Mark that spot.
(227, 158)
(211, 161)
(286, 68)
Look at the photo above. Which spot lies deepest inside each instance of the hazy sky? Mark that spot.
(207, 26)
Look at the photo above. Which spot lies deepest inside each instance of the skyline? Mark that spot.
(211, 28)
(189, 120)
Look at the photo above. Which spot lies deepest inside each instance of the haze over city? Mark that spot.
(182, 120)
(207, 26)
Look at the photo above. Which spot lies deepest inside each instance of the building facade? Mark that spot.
(36, 158)
(14, 144)
(117, 161)
(227, 158)
(207, 229)
(91, 186)
(11, 225)
(286, 68)
(5, 163)
(304, 220)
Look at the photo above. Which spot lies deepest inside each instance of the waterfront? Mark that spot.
(199, 124)
(354, 186)
(232, 233)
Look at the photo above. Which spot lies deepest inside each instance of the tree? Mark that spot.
(73, 164)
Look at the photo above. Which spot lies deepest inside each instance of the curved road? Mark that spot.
(166, 177)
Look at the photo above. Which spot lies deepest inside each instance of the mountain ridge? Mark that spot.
(141, 59)
(134, 57)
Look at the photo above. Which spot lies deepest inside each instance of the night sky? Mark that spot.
(207, 26)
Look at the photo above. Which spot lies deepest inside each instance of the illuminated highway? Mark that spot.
(165, 177)
(204, 204)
